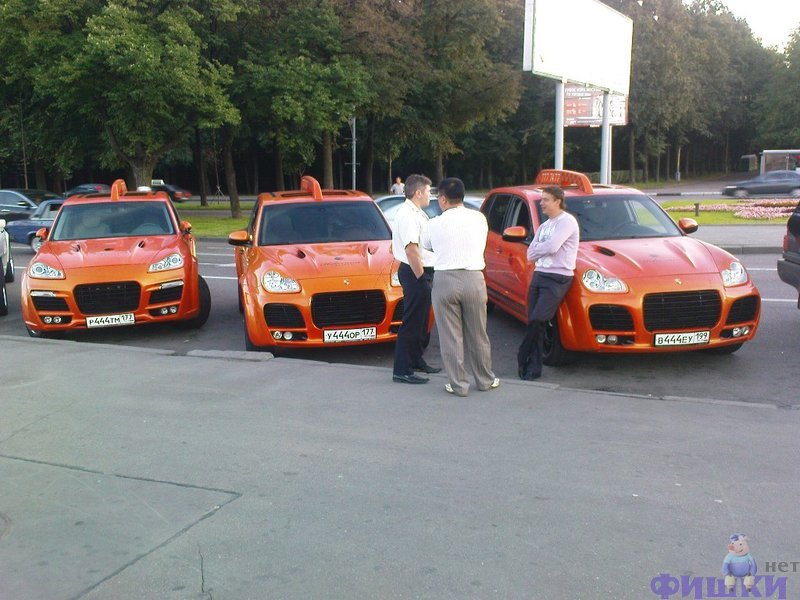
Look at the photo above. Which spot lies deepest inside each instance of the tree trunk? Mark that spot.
(255, 187)
(439, 167)
(678, 163)
(632, 154)
(658, 167)
(230, 172)
(327, 160)
(669, 161)
(277, 162)
(40, 175)
(389, 177)
(369, 158)
(200, 159)
(490, 174)
(142, 168)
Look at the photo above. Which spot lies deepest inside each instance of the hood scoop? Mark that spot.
(372, 249)
(300, 253)
(141, 244)
(604, 250)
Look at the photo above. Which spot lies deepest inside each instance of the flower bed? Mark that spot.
(745, 209)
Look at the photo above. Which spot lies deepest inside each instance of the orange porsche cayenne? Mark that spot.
(315, 269)
(641, 284)
(111, 260)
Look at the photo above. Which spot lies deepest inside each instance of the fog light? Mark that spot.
(288, 335)
(600, 338)
(736, 332)
(48, 320)
(745, 330)
(56, 320)
(173, 309)
(277, 335)
(612, 339)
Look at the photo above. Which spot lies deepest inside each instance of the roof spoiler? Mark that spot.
(118, 188)
(564, 179)
(311, 185)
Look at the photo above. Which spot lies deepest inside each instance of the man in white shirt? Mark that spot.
(397, 186)
(416, 274)
(458, 240)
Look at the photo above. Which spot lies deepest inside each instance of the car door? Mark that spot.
(497, 274)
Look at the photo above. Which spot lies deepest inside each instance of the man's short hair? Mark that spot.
(414, 183)
(557, 193)
(452, 188)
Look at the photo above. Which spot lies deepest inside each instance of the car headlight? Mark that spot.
(734, 275)
(595, 281)
(395, 280)
(40, 270)
(276, 283)
(173, 261)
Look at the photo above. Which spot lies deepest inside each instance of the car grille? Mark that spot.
(348, 308)
(680, 310)
(172, 294)
(283, 315)
(105, 298)
(398, 311)
(743, 310)
(49, 303)
(610, 317)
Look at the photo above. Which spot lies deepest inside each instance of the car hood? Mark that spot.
(652, 257)
(311, 261)
(107, 252)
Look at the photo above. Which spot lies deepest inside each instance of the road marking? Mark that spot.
(216, 277)
(228, 254)
(217, 264)
(777, 300)
(762, 269)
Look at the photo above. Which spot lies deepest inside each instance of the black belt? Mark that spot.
(428, 269)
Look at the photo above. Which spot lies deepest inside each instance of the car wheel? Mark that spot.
(795, 193)
(729, 349)
(205, 306)
(3, 298)
(741, 193)
(9, 274)
(36, 243)
(555, 355)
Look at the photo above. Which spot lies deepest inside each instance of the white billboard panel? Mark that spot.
(583, 41)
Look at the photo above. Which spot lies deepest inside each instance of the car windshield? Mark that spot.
(620, 217)
(112, 219)
(309, 223)
(46, 210)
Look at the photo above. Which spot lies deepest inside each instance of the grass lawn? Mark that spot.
(713, 211)
(215, 227)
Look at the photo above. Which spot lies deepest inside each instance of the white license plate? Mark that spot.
(682, 339)
(110, 320)
(336, 336)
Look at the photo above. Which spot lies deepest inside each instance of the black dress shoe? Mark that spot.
(409, 379)
(426, 368)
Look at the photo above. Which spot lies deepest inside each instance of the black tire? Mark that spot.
(9, 274)
(205, 306)
(251, 347)
(3, 298)
(730, 349)
(555, 355)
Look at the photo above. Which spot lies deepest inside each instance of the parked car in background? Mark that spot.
(114, 260)
(24, 231)
(175, 193)
(88, 188)
(789, 264)
(21, 203)
(315, 268)
(390, 204)
(770, 183)
(641, 285)
(6, 267)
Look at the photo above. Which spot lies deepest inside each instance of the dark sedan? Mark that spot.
(21, 204)
(773, 183)
(175, 193)
(24, 231)
(88, 188)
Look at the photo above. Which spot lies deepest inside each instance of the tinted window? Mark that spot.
(318, 222)
(620, 217)
(497, 213)
(521, 216)
(112, 219)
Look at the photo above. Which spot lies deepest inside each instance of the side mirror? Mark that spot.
(688, 225)
(186, 227)
(517, 233)
(239, 238)
(42, 233)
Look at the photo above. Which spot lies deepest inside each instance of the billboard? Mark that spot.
(583, 107)
(583, 41)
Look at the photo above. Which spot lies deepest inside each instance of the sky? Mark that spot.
(771, 20)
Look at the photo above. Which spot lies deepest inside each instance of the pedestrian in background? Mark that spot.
(458, 241)
(397, 186)
(554, 249)
(415, 274)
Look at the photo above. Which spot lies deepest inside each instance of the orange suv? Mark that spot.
(111, 260)
(641, 284)
(315, 269)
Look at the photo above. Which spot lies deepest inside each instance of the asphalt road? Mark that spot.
(756, 373)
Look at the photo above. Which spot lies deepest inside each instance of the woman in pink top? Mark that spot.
(554, 249)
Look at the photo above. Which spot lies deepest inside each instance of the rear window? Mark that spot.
(320, 222)
(112, 219)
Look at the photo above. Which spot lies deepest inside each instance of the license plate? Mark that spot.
(682, 339)
(110, 320)
(335, 336)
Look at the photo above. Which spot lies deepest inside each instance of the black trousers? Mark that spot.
(412, 338)
(545, 294)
